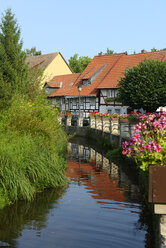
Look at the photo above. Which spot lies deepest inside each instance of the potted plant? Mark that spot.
(133, 117)
(123, 118)
(68, 114)
(114, 116)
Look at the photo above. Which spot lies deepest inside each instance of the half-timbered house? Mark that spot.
(98, 83)
(88, 99)
(108, 88)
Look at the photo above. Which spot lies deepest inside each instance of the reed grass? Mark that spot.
(32, 150)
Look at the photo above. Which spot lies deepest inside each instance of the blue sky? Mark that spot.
(88, 27)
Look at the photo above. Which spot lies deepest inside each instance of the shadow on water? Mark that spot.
(32, 215)
(101, 208)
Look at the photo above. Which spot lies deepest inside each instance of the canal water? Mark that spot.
(100, 208)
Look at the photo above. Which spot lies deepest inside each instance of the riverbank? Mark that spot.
(33, 146)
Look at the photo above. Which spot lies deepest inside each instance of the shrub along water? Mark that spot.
(32, 149)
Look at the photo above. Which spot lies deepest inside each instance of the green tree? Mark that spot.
(144, 86)
(109, 52)
(13, 70)
(153, 49)
(32, 52)
(78, 64)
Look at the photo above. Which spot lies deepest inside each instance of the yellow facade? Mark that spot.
(57, 67)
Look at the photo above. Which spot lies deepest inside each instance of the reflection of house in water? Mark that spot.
(102, 178)
(97, 182)
(80, 151)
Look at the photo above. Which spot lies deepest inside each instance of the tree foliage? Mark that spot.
(144, 86)
(32, 52)
(109, 52)
(153, 49)
(15, 76)
(78, 64)
(13, 70)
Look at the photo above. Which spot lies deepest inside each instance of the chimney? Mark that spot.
(143, 51)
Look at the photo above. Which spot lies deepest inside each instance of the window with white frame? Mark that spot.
(110, 93)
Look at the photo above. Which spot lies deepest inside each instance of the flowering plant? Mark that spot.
(106, 115)
(93, 114)
(67, 114)
(113, 115)
(134, 116)
(123, 116)
(148, 144)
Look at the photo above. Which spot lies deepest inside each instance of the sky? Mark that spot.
(87, 27)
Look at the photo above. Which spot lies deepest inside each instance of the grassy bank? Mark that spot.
(32, 150)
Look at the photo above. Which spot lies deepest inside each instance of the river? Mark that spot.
(100, 208)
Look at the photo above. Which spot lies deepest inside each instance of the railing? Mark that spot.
(118, 127)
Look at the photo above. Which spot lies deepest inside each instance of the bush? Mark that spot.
(144, 86)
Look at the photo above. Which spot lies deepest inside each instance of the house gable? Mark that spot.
(53, 64)
(57, 67)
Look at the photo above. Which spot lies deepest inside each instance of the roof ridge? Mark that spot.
(88, 72)
(147, 52)
(124, 53)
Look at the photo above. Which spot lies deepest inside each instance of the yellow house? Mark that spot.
(53, 65)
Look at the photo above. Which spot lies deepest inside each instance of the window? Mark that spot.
(117, 111)
(92, 101)
(116, 93)
(110, 93)
(85, 82)
(74, 101)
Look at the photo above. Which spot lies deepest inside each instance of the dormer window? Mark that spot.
(90, 76)
(86, 82)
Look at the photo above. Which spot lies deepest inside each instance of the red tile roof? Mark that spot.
(112, 79)
(54, 85)
(66, 81)
(113, 69)
(91, 72)
(108, 61)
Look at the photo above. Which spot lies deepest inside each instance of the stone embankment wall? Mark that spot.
(115, 130)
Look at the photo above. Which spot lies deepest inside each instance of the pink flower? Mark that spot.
(158, 148)
(124, 152)
(136, 135)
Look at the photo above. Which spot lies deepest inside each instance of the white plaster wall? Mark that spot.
(112, 109)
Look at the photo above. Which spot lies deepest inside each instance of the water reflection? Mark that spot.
(102, 177)
(30, 215)
(100, 208)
